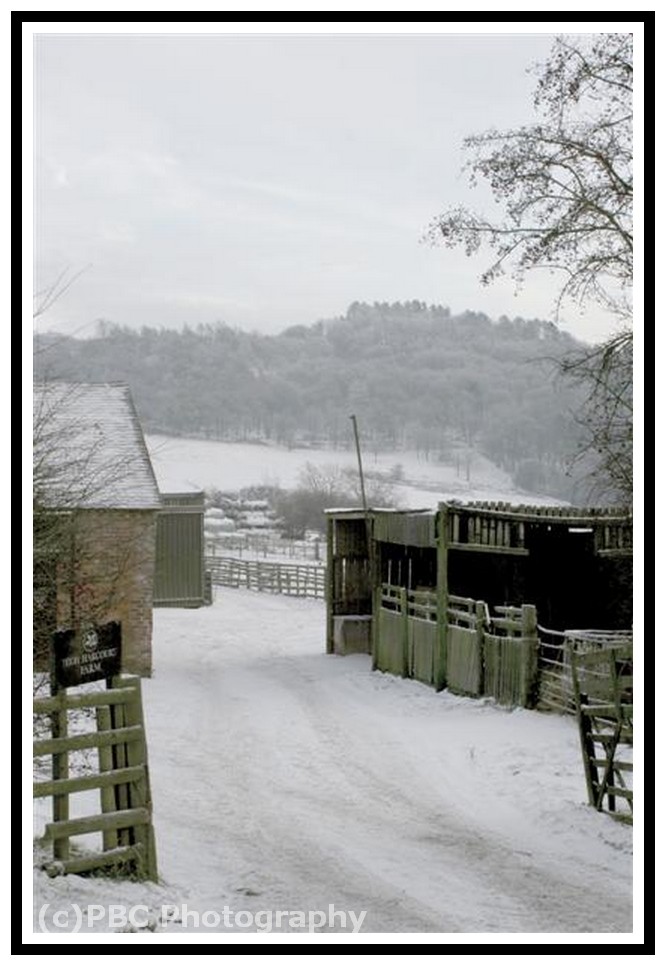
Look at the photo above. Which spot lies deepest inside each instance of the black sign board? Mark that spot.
(90, 655)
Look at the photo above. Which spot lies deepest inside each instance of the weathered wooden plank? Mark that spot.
(608, 737)
(98, 860)
(125, 818)
(507, 623)
(107, 795)
(101, 739)
(584, 517)
(619, 765)
(443, 542)
(615, 790)
(462, 602)
(121, 792)
(480, 548)
(60, 766)
(91, 700)
(68, 786)
(139, 791)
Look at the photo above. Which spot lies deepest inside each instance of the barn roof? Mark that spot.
(88, 449)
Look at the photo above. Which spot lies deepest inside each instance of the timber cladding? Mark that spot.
(179, 564)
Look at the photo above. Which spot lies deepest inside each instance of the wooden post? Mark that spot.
(530, 644)
(480, 612)
(376, 622)
(404, 610)
(375, 579)
(584, 729)
(442, 595)
(59, 761)
(120, 761)
(330, 580)
(106, 793)
(139, 791)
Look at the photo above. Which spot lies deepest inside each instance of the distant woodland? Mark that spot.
(416, 376)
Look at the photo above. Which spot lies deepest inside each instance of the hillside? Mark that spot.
(416, 376)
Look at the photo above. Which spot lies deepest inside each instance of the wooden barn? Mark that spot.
(180, 579)
(95, 509)
(572, 565)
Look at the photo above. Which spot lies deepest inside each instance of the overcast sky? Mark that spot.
(267, 181)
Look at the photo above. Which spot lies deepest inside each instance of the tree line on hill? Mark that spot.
(417, 377)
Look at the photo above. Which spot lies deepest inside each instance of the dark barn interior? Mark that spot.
(574, 565)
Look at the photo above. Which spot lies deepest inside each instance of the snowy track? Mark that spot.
(284, 778)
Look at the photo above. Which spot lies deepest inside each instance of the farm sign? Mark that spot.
(90, 655)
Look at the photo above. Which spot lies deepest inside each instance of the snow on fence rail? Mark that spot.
(294, 580)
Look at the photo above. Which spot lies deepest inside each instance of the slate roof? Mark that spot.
(88, 448)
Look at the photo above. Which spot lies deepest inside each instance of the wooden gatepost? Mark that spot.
(603, 693)
(124, 818)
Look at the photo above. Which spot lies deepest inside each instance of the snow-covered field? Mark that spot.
(185, 464)
(285, 779)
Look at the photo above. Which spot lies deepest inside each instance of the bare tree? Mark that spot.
(565, 187)
(607, 417)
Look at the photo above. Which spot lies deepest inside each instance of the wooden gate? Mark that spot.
(603, 692)
(125, 816)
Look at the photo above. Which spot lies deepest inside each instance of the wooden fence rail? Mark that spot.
(295, 580)
(124, 819)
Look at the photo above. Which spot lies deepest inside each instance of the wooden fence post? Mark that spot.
(107, 794)
(120, 761)
(374, 629)
(139, 791)
(442, 596)
(530, 662)
(404, 611)
(480, 612)
(60, 761)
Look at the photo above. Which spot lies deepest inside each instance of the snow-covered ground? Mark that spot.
(185, 464)
(287, 779)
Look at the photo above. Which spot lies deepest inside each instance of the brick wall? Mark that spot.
(109, 576)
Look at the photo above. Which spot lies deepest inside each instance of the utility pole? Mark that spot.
(360, 464)
(372, 568)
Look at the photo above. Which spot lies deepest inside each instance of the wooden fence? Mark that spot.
(125, 817)
(295, 580)
(493, 655)
(555, 679)
(258, 544)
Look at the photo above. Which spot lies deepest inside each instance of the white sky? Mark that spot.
(268, 180)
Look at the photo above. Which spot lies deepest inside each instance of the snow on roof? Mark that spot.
(88, 448)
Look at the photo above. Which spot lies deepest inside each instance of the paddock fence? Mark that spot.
(294, 580)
